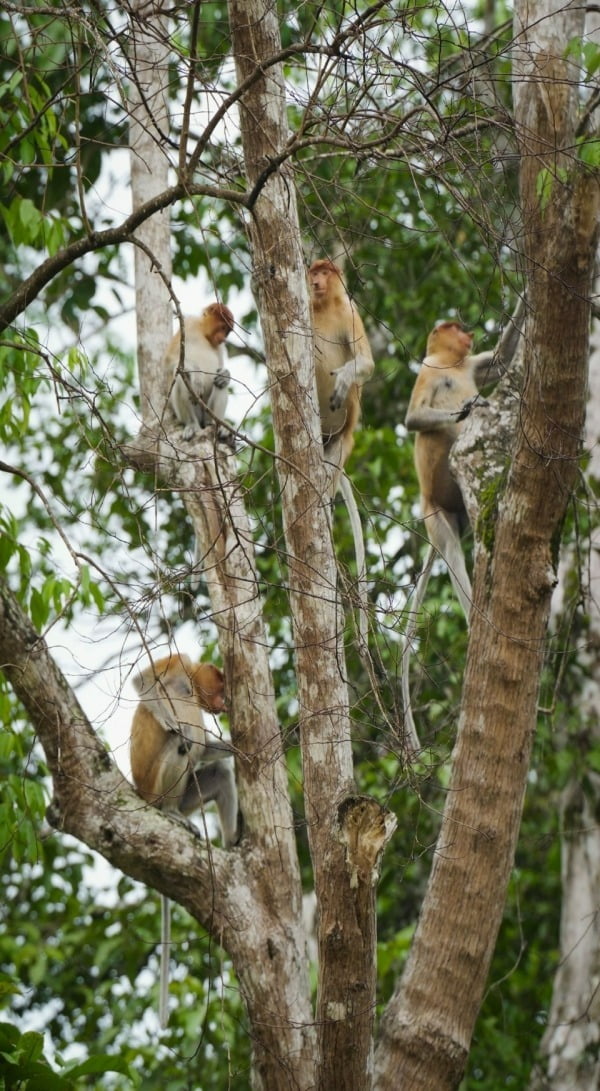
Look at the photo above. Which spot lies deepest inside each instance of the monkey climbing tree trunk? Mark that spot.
(428, 1024)
(346, 834)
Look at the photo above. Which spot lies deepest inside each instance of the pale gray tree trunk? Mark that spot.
(427, 1027)
(149, 55)
(347, 834)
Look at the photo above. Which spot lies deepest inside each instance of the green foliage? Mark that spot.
(423, 228)
(589, 151)
(585, 53)
(25, 1066)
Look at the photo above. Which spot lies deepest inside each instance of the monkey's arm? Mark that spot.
(219, 394)
(354, 372)
(423, 418)
(491, 366)
(215, 746)
(177, 709)
(488, 367)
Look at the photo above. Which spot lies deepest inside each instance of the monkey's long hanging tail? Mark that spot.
(165, 943)
(359, 552)
(410, 732)
(462, 588)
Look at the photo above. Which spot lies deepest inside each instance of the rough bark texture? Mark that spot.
(569, 1049)
(427, 1027)
(346, 930)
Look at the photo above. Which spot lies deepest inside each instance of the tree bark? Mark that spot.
(427, 1027)
(569, 1048)
(339, 831)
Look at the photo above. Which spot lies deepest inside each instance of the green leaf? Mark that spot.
(589, 151)
(39, 609)
(96, 1064)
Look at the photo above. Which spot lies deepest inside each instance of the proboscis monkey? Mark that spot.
(343, 362)
(199, 393)
(177, 764)
(202, 394)
(445, 392)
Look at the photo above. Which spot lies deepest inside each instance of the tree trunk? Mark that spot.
(427, 1027)
(259, 898)
(149, 56)
(569, 1047)
(346, 835)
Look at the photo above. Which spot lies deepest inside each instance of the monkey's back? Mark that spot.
(147, 740)
(201, 363)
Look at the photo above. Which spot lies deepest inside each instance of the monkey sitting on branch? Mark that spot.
(177, 764)
(446, 391)
(199, 392)
(343, 362)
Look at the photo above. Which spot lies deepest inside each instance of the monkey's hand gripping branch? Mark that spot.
(471, 403)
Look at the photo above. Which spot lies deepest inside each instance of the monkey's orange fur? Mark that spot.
(168, 718)
(343, 359)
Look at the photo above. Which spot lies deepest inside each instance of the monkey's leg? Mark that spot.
(215, 782)
(219, 395)
(333, 457)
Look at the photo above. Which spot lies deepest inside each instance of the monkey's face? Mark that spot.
(450, 336)
(216, 323)
(209, 686)
(464, 339)
(219, 335)
(319, 282)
